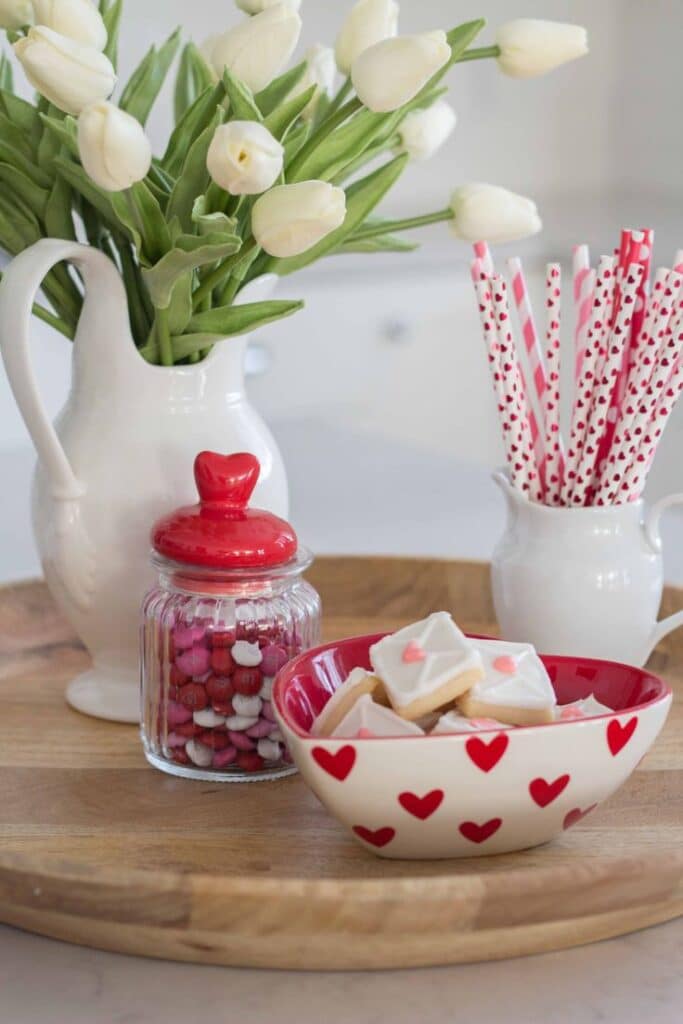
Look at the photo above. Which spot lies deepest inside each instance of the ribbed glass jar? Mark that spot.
(212, 642)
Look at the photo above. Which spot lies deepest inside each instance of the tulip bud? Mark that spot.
(67, 74)
(392, 72)
(290, 219)
(530, 47)
(256, 6)
(491, 213)
(77, 19)
(369, 22)
(321, 71)
(113, 147)
(423, 132)
(257, 49)
(244, 158)
(15, 14)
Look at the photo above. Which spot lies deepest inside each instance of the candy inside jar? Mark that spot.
(229, 610)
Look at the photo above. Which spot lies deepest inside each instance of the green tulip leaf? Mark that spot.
(20, 185)
(194, 76)
(15, 137)
(378, 243)
(22, 114)
(361, 199)
(190, 253)
(64, 130)
(242, 104)
(226, 321)
(6, 75)
(190, 127)
(286, 115)
(111, 16)
(273, 95)
(11, 155)
(180, 308)
(74, 174)
(145, 83)
(137, 208)
(211, 223)
(194, 177)
(58, 216)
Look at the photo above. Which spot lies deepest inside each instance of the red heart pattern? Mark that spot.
(575, 816)
(379, 837)
(618, 735)
(339, 764)
(479, 833)
(543, 792)
(421, 807)
(487, 755)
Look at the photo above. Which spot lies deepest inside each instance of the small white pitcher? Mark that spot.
(582, 581)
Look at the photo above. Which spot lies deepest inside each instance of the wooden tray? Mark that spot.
(97, 848)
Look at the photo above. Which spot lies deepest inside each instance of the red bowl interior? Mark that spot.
(304, 686)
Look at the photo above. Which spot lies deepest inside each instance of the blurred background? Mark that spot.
(378, 391)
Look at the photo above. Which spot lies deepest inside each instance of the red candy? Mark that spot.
(188, 729)
(220, 691)
(219, 638)
(215, 739)
(249, 761)
(247, 681)
(176, 677)
(227, 710)
(180, 756)
(194, 696)
(221, 661)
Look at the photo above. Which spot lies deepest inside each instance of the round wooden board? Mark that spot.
(98, 848)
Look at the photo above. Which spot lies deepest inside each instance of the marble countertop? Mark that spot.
(412, 503)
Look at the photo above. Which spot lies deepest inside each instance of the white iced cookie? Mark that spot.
(426, 665)
(367, 719)
(355, 686)
(245, 654)
(516, 688)
(587, 708)
(454, 722)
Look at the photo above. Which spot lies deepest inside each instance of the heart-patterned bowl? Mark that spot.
(466, 795)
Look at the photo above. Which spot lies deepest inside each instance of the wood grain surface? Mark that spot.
(98, 848)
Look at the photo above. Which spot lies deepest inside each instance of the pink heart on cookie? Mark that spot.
(413, 652)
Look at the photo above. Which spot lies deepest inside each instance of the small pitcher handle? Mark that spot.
(654, 539)
(73, 554)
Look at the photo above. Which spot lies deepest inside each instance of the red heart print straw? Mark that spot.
(554, 470)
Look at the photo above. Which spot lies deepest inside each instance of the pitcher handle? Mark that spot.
(73, 554)
(654, 539)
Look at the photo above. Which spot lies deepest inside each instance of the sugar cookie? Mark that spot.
(367, 719)
(589, 707)
(516, 688)
(356, 685)
(454, 722)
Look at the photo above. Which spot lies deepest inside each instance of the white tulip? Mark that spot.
(423, 132)
(321, 71)
(113, 147)
(244, 158)
(256, 6)
(392, 72)
(257, 49)
(369, 22)
(77, 19)
(290, 219)
(67, 74)
(15, 13)
(530, 47)
(490, 213)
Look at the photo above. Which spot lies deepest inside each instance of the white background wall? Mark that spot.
(387, 350)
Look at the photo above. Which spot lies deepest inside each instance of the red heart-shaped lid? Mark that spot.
(221, 531)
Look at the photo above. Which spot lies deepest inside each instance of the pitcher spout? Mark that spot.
(513, 497)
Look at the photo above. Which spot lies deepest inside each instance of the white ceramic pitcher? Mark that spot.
(119, 455)
(582, 581)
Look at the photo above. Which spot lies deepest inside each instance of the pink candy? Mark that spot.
(267, 711)
(187, 636)
(274, 657)
(176, 714)
(263, 728)
(195, 661)
(174, 739)
(222, 758)
(240, 740)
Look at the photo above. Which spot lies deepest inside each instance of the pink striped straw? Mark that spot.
(554, 471)
(533, 347)
(483, 253)
(584, 286)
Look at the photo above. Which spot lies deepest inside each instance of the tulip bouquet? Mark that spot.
(267, 169)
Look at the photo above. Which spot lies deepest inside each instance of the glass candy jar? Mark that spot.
(229, 610)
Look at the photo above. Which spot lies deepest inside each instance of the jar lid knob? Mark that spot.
(227, 480)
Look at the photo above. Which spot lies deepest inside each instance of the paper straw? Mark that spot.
(584, 283)
(658, 417)
(534, 352)
(678, 260)
(602, 393)
(513, 383)
(483, 253)
(583, 392)
(554, 469)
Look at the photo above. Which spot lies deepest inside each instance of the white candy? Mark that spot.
(276, 736)
(268, 750)
(266, 691)
(199, 753)
(208, 718)
(248, 706)
(246, 654)
(238, 723)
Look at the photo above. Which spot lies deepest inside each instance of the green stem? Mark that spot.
(391, 142)
(237, 277)
(164, 337)
(327, 126)
(343, 92)
(479, 53)
(408, 224)
(218, 276)
(49, 318)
